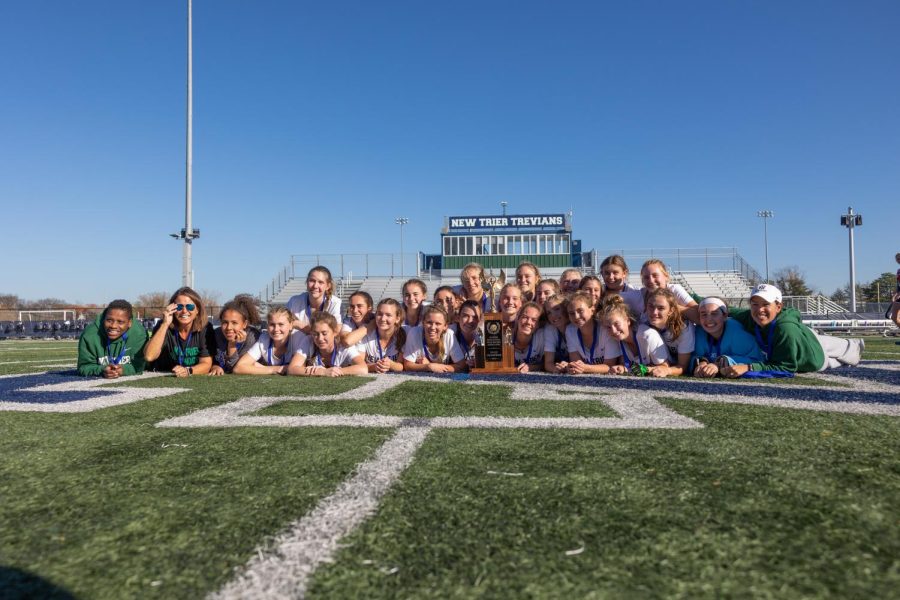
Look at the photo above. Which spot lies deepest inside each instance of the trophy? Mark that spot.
(494, 352)
(493, 285)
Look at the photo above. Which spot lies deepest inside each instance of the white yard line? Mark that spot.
(44, 360)
(283, 568)
(115, 397)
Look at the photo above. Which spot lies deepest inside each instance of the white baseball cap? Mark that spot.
(767, 292)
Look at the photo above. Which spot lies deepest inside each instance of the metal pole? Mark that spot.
(187, 275)
(850, 221)
(401, 221)
(852, 264)
(766, 215)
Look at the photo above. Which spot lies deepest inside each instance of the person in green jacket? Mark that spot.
(786, 343)
(112, 346)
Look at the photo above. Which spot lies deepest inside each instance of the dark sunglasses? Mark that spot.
(190, 307)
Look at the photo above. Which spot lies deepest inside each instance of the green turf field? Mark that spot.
(748, 501)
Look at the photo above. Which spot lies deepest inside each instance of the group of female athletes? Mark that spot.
(575, 325)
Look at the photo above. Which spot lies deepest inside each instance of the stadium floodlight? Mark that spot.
(851, 220)
(503, 204)
(766, 215)
(401, 221)
(188, 234)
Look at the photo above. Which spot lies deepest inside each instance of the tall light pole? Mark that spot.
(503, 204)
(401, 221)
(850, 221)
(188, 234)
(766, 215)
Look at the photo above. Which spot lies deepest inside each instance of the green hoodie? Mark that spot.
(93, 354)
(794, 345)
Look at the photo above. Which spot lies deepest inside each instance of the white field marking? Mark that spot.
(119, 395)
(43, 360)
(856, 385)
(283, 568)
(36, 349)
(636, 410)
(857, 408)
(232, 413)
(891, 367)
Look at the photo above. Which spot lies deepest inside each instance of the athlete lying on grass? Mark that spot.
(431, 346)
(786, 343)
(112, 346)
(722, 343)
(279, 350)
(180, 341)
(325, 356)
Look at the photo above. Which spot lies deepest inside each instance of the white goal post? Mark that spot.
(48, 312)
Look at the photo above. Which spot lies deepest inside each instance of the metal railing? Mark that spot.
(687, 259)
(344, 268)
(814, 305)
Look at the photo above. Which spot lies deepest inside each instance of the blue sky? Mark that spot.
(664, 124)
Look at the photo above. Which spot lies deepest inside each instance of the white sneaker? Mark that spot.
(855, 351)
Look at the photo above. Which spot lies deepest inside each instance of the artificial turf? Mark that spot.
(420, 399)
(762, 502)
(105, 505)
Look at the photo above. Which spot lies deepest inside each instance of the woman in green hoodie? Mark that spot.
(113, 345)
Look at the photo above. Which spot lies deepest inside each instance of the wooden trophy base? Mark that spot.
(499, 354)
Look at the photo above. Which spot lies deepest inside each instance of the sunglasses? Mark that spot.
(190, 307)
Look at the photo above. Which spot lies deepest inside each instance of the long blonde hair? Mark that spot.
(674, 323)
(434, 308)
(614, 304)
(399, 335)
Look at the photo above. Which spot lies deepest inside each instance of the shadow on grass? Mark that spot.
(16, 584)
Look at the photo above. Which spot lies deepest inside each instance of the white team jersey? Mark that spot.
(462, 349)
(300, 303)
(659, 347)
(534, 353)
(485, 300)
(555, 343)
(342, 355)
(635, 301)
(587, 356)
(370, 347)
(408, 326)
(612, 348)
(415, 349)
(347, 325)
(263, 351)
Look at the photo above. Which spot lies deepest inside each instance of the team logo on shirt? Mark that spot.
(104, 360)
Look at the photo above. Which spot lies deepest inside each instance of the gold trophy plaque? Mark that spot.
(496, 354)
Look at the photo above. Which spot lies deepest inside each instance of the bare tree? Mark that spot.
(45, 304)
(9, 301)
(151, 304)
(211, 298)
(792, 281)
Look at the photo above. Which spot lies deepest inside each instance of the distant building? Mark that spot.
(504, 241)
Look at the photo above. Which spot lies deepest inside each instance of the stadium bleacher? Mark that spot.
(42, 329)
(729, 285)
